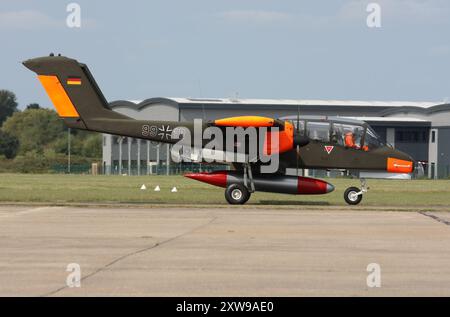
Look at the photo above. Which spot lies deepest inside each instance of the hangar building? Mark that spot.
(421, 129)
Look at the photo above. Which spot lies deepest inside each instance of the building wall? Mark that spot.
(150, 152)
(438, 151)
(414, 141)
(443, 152)
(140, 155)
(411, 139)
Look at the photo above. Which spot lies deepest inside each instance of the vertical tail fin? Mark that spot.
(73, 91)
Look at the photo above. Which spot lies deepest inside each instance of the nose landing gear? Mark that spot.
(354, 195)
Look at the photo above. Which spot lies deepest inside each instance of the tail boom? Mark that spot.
(80, 103)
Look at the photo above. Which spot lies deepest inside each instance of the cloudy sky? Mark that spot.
(220, 48)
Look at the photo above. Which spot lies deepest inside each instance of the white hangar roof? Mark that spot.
(304, 102)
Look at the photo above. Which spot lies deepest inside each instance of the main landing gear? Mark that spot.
(354, 195)
(237, 194)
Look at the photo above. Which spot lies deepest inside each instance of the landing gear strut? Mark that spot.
(238, 194)
(354, 195)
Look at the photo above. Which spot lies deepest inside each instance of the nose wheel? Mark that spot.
(354, 195)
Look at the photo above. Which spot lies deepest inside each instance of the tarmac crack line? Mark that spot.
(29, 211)
(125, 256)
(438, 219)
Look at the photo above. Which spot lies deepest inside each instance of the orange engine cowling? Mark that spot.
(245, 122)
(279, 141)
(275, 141)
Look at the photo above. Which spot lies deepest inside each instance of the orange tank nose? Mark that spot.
(399, 166)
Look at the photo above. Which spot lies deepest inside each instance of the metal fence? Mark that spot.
(443, 171)
(162, 169)
(73, 169)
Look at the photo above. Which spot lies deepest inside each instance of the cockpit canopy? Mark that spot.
(340, 131)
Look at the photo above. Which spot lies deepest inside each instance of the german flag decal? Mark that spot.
(73, 81)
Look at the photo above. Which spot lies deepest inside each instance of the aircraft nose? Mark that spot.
(399, 162)
(400, 165)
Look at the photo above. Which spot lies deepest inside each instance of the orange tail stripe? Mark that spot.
(58, 96)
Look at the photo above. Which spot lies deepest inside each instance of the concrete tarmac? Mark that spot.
(263, 251)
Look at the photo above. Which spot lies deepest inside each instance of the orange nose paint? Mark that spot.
(399, 166)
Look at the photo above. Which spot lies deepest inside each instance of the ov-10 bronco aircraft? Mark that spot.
(295, 142)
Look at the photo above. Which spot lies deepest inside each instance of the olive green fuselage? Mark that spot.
(92, 113)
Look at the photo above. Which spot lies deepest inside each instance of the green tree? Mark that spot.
(8, 145)
(33, 106)
(92, 146)
(80, 143)
(8, 104)
(34, 128)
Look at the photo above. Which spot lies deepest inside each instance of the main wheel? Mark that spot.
(237, 194)
(351, 196)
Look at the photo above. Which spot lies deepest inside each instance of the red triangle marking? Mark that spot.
(329, 148)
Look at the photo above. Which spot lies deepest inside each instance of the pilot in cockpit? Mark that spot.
(354, 142)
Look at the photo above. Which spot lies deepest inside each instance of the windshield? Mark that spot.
(299, 126)
(353, 136)
(372, 140)
(318, 131)
(348, 135)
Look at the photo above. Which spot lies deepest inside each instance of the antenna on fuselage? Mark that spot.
(201, 96)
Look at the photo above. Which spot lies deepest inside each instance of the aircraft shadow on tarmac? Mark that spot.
(292, 203)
